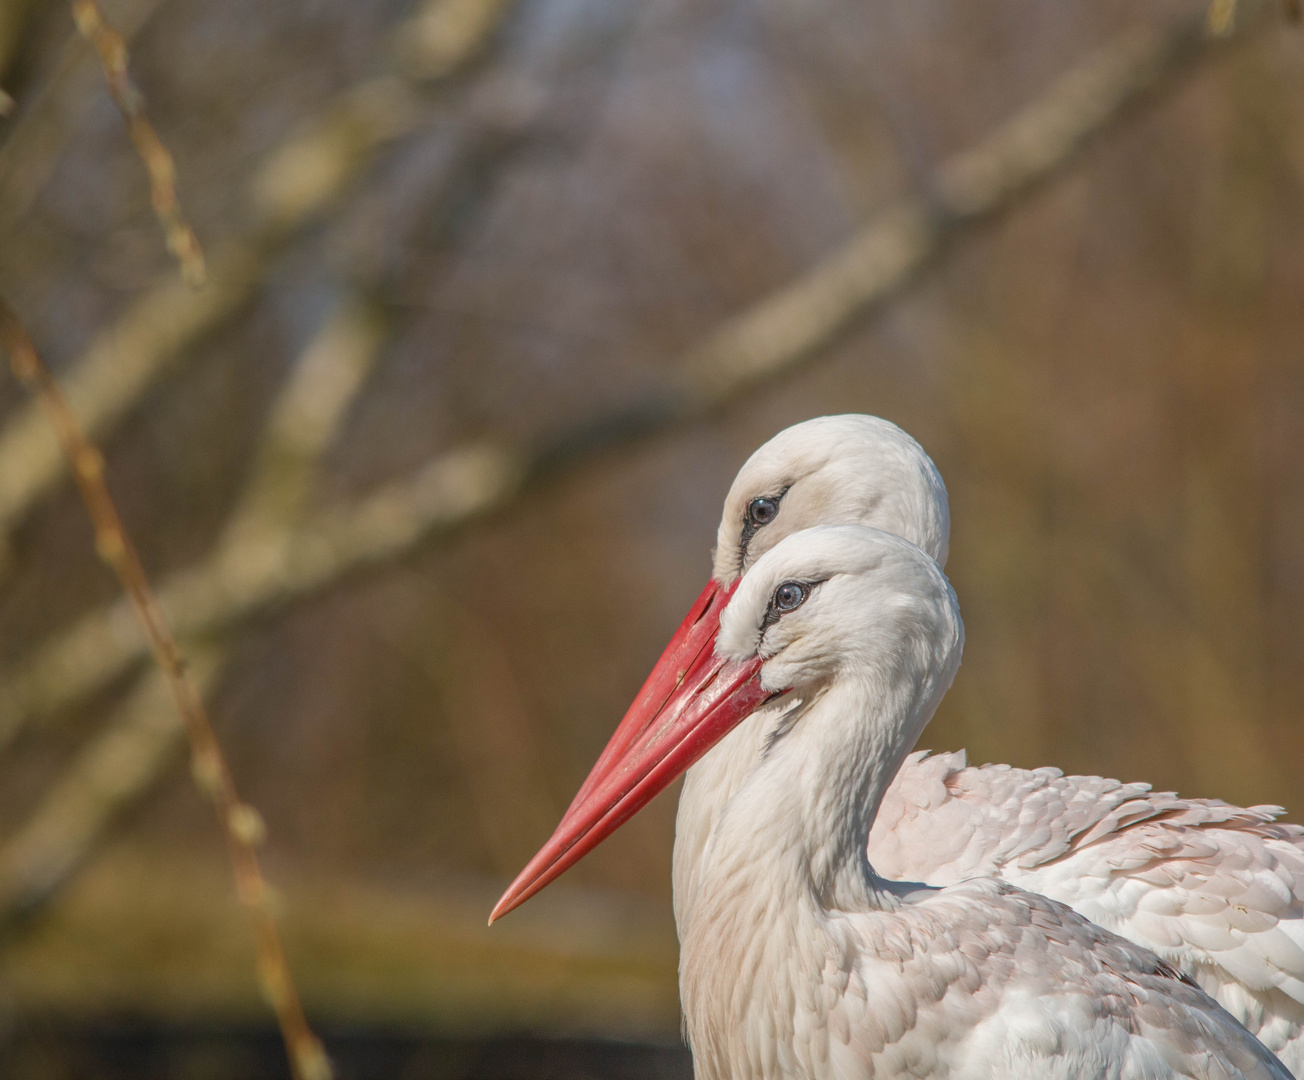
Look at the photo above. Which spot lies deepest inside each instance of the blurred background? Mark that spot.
(395, 472)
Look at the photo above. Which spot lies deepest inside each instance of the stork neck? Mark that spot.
(812, 797)
(849, 753)
(788, 848)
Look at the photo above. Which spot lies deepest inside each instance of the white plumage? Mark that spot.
(799, 960)
(1212, 888)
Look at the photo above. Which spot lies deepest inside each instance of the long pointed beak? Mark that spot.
(690, 702)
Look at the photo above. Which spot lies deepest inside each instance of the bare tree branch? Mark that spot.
(273, 504)
(772, 338)
(38, 133)
(325, 382)
(240, 823)
(442, 37)
(141, 739)
(71, 819)
(296, 185)
(1037, 142)
(145, 735)
(159, 166)
(275, 500)
(116, 370)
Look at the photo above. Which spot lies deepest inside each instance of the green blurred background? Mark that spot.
(506, 234)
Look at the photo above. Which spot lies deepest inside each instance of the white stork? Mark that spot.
(798, 960)
(1214, 889)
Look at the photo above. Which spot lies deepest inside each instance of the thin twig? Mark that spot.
(159, 167)
(33, 143)
(114, 769)
(81, 804)
(240, 823)
(137, 744)
(297, 184)
(774, 337)
(117, 368)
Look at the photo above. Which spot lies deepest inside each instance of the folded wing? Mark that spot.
(1217, 890)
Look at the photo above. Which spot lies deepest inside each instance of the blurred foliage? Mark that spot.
(1110, 378)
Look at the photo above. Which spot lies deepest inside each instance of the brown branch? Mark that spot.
(118, 367)
(444, 35)
(296, 185)
(159, 167)
(136, 746)
(74, 814)
(240, 823)
(33, 142)
(777, 335)
(306, 415)
(137, 743)
(120, 765)
(1037, 142)
(112, 771)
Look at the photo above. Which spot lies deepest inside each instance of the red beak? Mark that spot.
(691, 700)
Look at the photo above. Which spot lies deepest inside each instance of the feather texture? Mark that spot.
(1212, 888)
(1215, 889)
(801, 960)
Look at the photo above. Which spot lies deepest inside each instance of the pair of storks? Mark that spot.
(848, 909)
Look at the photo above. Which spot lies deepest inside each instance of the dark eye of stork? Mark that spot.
(762, 511)
(790, 596)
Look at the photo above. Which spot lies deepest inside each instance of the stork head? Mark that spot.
(832, 470)
(835, 604)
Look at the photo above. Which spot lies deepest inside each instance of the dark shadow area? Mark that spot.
(139, 1052)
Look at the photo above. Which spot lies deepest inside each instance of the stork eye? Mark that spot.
(790, 596)
(762, 511)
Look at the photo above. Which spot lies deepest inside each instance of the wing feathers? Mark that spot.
(1216, 889)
